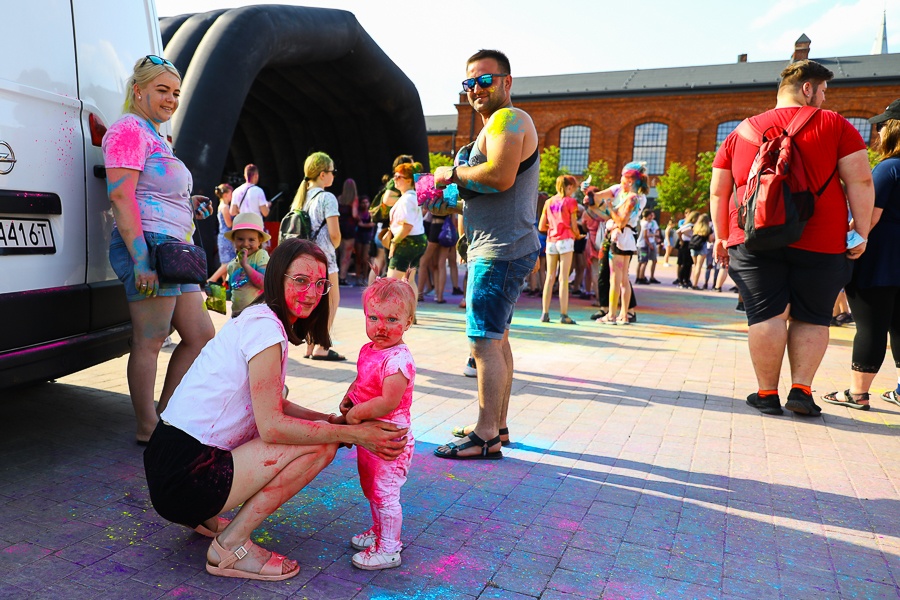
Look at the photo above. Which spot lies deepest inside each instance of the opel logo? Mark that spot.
(7, 158)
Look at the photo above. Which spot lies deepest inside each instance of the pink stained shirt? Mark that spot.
(559, 218)
(164, 185)
(372, 367)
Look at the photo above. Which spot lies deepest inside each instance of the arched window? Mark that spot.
(574, 144)
(723, 130)
(650, 146)
(863, 127)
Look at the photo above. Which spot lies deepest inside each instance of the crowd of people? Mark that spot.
(222, 435)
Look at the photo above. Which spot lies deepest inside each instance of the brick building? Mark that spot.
(666, 115)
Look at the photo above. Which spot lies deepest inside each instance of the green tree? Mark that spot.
(600, 174)
(550, 170)
(676, 190)
(702, 177)
(873, 157)
(436, 160)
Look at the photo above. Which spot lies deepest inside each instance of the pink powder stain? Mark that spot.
(448, 563)
(269, 463)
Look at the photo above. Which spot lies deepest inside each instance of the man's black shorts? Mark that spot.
(770, 280)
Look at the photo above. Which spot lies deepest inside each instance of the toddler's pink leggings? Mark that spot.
(381, 482)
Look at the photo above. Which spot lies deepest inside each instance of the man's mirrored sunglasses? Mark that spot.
(483, 80)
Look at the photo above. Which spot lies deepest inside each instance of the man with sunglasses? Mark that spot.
(498, 179)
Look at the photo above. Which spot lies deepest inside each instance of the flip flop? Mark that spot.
(271, 571)
(332, 355)
(452, 451)
(460, 432)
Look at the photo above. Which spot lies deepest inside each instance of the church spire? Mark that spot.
(880, 46)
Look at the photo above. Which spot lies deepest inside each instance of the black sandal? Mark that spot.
(452, 449)
(848, 400)
(460, 432)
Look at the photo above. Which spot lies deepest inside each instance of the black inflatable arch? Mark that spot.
(269, 84)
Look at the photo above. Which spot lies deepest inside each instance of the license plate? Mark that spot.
(26, 236)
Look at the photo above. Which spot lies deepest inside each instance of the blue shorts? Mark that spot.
(491, 294)
(123, 265)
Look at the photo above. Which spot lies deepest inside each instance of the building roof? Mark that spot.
(438, 124)
(856, 70)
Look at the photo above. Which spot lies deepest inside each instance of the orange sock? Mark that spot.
(764, 393)
(803, 388)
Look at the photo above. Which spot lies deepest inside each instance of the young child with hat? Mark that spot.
(247, 270)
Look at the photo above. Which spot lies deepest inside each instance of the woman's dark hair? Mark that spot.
(312, 329)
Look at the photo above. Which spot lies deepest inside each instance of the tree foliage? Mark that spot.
(601, 175)
(702, 177)
(873, 157)
(436, 160)
(550, 170)
(676, 189)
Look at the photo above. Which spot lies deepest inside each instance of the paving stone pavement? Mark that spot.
(637, 471)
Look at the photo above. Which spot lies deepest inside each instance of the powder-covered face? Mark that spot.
(386, 321)
(159, 99)
(300, 304)
(246, 239)
(487, 100)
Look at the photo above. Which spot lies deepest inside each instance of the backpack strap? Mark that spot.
(324, 220)
(801, 118)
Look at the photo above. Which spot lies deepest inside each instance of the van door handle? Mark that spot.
(99, 171)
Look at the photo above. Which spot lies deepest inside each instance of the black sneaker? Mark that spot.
(770, 405)
(801, 403)
(740, 307)
(654, 280)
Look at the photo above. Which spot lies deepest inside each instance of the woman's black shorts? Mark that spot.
(434, 231)
(189, 481)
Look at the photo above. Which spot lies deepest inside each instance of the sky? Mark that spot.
(430, 40)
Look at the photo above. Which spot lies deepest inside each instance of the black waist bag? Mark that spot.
(178, 262)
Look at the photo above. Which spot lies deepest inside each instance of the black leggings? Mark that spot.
(685, 262)
(877, 314)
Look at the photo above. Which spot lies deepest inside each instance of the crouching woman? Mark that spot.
(228, 438)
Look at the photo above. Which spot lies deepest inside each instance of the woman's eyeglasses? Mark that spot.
(301, 283)
(483, 80)
(332, 171)
(156, 60)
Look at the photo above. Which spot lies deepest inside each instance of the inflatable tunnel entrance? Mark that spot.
(269, 84)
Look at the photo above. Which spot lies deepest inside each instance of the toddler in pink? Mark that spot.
(383, 390)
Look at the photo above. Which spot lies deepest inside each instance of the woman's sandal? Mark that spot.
(205, 531)
(460, 432)
(891, 396)
(862, 403)
(453, 450)
(271, 571)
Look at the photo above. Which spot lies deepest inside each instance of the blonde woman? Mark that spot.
(322, 206)
(150, 192)
(559, 218)
(699, 238)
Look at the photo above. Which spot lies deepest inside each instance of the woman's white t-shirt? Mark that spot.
(407, 210)
(212, 403)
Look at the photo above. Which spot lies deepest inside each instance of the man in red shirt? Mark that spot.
(789, 292)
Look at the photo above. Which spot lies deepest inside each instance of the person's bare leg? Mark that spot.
(552, 260)
(565, 265)
(425, 264)
(346, 256)
(219, 274)
(625, 290)
(334, 299)
(767, 342)
(453, 260)
(191, 320)
(615, 277)
(653, 268)
(861, 383)
(440, 279)
(508, 357)
(806, 346)
(150, 322)
(265, 477)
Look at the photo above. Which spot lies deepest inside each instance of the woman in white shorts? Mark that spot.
(560, 220)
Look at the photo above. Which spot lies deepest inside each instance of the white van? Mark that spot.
(62, 81)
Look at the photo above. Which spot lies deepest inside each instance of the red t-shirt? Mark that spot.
(827, 138)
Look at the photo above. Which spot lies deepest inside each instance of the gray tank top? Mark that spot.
(501, 226)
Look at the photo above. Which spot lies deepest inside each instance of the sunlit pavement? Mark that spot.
(636, 471)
